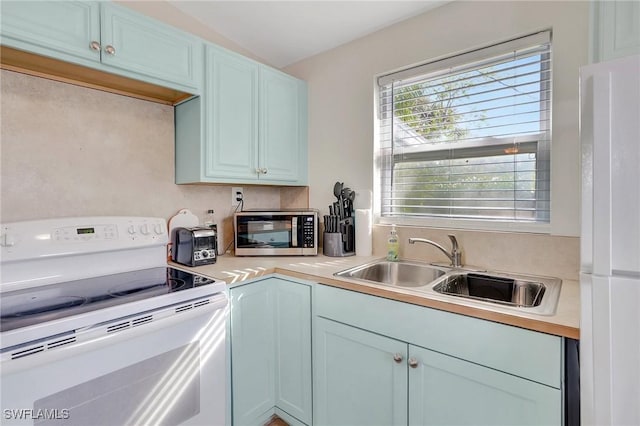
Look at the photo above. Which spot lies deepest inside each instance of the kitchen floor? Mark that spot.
(276, 421)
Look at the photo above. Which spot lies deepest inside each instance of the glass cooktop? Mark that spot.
(22, 308)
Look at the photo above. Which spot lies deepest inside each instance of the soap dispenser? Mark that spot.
(393, 245)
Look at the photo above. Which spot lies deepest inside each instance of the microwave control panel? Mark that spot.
(308, 231)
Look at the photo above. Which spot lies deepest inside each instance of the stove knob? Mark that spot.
(131, 229)
(205, 254)
(144, 229)
(157, 228)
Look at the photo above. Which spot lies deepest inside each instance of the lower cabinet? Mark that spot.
(360, 378)
(444, 390)
(382, 362)
(270, 332)
(363, 378)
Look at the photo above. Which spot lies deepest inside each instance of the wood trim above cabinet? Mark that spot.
(53, 69)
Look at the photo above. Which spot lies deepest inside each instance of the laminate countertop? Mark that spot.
(320, 269)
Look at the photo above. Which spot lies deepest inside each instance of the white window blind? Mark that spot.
(469, 136)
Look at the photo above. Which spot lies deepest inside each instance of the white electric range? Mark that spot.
(97, 330)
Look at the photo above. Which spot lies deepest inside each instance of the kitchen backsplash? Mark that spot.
(524, 253)
(73, 151)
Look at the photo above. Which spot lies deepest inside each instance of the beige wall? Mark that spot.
(341, 89)
(534, 254)
(72, 151)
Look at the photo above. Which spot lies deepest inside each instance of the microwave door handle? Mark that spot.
(294, 231)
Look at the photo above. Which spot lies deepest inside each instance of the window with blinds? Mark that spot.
(469, 137)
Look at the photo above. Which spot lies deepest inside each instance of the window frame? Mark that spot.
(543, 157)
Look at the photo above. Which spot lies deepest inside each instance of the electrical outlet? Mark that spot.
(237, 195)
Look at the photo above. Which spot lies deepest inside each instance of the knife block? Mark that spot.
(333, 245)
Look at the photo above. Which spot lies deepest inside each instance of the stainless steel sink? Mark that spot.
(524, 293)
(496, 289)
(400, 274)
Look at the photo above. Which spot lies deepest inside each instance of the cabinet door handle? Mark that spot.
(110, 50)
(413, 363)
(94, 45)
(397, 358)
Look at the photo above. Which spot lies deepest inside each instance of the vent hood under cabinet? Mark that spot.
(53, 69)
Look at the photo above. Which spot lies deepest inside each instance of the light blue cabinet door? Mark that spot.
(444, 390)
(255, 125)
(356, 379)
(134, 43)
(53, 29)
(282, 136)
(293, 348)
(271, 351)
(252, 352)
(231, 150)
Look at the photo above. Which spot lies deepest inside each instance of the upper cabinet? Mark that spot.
(252, 129)
(283, 102)
(615, 29)
(69, 30)
(137, 44)
(231, 114)
(105, 36)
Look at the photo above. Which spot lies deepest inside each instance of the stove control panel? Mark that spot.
(53, 237)
(85, 233)
(48, 251)
(132, 230)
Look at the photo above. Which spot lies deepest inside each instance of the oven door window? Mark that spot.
(258, 232)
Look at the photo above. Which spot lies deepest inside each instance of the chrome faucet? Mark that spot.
(456, 254)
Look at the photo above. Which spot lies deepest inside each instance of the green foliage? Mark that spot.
(430, 110)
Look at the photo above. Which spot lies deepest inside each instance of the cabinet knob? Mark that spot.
(258, 170)
(397, 358)
(264, 171)
(94, 45)
(110, 50)
(413, 363)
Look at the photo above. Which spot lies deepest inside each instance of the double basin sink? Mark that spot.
(532, 294)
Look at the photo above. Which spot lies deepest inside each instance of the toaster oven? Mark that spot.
(194, 246)
(276, 233)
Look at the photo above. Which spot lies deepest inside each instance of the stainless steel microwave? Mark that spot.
(276, 233)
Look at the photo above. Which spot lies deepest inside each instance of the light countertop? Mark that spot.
(236, 270)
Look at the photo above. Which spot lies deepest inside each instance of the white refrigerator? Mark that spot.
(610, 243)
